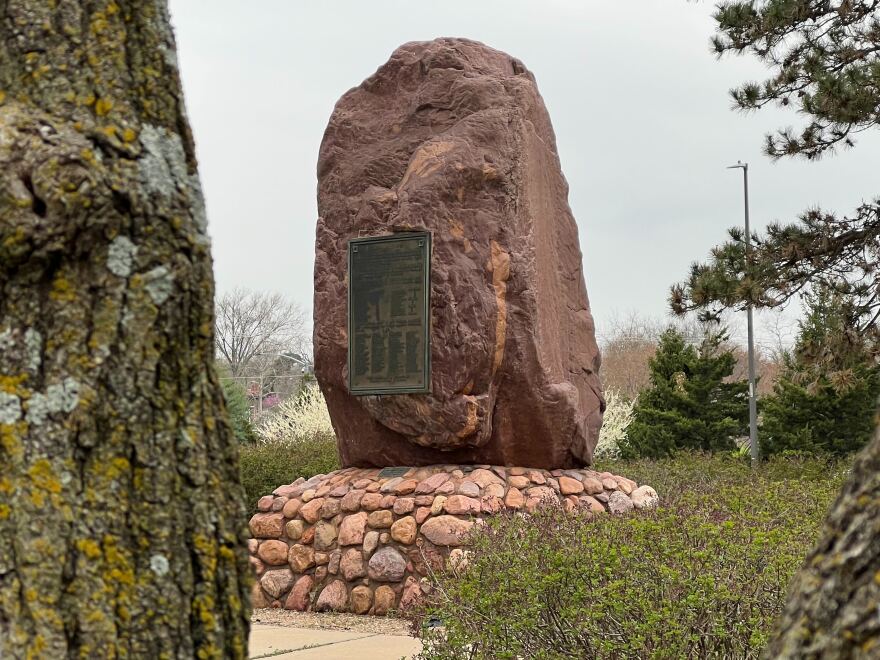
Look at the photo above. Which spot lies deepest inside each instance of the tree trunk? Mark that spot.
(122, 525)
(833, 608)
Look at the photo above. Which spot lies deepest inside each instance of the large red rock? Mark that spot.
(452, 137)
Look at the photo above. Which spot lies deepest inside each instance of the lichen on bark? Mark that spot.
(122, 525)
(833, 605)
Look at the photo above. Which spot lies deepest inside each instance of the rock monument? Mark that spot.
(453, 337)
(452, 138)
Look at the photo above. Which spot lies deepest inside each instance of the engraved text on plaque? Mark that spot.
(388, 314)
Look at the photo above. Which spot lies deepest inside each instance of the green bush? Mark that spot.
(265, 466)
(690, 403)
(702, 576)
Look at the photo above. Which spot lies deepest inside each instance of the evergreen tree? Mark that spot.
(824, 59)
(239, 411)
(689, 404)
(825, 398)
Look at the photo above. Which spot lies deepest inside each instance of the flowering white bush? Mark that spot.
(618, 415)
(301, 417)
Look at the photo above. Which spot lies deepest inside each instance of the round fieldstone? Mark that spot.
(300, 594)
(330, 508)
(371, 501)
(592, 486)
(461, 505)
(276, 582)
(325, 535)
(291, 507)
(404, 505)
(311, 510)
(469, 489)
(619, 503)
(351, 530)
(404, 530)
(518, 481)
(570, 486)
(352, 564)
(645, 497)
(333, 564)
(273, 552)
(514, 499)
(537, 477)
(380, 519)
(352, 500)
(361, 599)
(591, 504)
(258, 597)
(446, 530)
(267, 525)
(294, 529)
(405, 487)
(384, 599)
(371, 542)
(431, 483)
(387, 565)
(333, 597)
(301, 557)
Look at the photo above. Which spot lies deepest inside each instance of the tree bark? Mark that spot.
(122, 524)
(833, 608)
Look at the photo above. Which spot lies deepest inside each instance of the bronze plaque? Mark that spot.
(389, 316)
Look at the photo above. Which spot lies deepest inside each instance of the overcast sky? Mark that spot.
(640, 107)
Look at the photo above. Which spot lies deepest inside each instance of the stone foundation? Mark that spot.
(352, 541)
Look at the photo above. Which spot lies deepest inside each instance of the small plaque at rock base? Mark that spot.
(389, 314)
(393, 472)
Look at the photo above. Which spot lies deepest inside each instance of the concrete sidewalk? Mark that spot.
(288, 643)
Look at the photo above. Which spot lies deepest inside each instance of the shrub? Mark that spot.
(703, 576)
(265, 466)
(296, 440)
(302, 416)
(690, 404)
(618, 415)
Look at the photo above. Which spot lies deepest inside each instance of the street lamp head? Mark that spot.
(739, 165)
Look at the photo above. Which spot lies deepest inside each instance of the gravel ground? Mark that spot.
(383, 625)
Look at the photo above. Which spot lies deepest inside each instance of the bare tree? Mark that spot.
(627, 347)
(253, 327)
(122, 522)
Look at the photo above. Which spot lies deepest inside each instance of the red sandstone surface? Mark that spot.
(452, 137)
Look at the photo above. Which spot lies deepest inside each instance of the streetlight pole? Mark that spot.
(753, 406)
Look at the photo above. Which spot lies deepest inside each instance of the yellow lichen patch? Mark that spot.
(43, 477)
(129, 135)
(62, 290)
(2, 96)
(10, 439)
(4, 511)
(10, 384)
(203, 605)
(89, 548)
